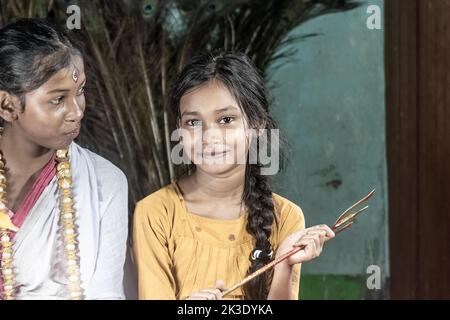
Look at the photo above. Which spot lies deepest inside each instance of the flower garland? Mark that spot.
(69, 232)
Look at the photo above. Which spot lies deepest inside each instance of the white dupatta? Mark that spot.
(101, 201)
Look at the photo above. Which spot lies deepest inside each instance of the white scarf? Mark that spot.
(101, 202)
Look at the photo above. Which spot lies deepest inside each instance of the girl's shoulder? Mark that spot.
(282, 204)
(162, 203)
(288, 215)
(161, 197)
(285, 206)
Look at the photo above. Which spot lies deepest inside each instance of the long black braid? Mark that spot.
(258, 200)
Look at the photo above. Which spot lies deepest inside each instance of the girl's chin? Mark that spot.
(63, 145)
(216, 168)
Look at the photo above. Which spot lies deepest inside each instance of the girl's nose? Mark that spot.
(212, 136)
(76, 112)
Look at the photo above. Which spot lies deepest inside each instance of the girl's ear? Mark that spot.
(10, 106)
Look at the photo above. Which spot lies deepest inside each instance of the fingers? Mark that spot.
(310, 251)
(319, 237)
(209, 294)
(220, 285)
(327, 229)
(318, 243)
(322, 230)
(213, 294)
(313, 243)
(322, 234)
(312, 239)
(206, 294)
(197, 296)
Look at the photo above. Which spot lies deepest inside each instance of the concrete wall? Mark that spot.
(330, 105)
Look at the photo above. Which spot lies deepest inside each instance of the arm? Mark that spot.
(151, 254)
(286, 277)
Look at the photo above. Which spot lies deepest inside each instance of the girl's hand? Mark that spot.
(312, 238)
(209, 294)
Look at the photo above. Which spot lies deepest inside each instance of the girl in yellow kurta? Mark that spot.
(208, 230)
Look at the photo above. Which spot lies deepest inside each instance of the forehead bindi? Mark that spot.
(66, 79)
(75, 70)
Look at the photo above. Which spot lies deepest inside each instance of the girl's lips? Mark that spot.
(214, 154)
(74, 134)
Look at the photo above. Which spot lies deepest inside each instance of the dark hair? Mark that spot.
(31, 52)
(238, 73)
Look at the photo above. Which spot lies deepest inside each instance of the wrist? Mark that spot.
(283, 265)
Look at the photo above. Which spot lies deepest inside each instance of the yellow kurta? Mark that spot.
(178, 252)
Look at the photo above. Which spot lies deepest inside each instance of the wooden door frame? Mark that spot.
(417, 61)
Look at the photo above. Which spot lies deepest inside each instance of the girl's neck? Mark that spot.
(217, 189)
(22, 155)
(227, 186)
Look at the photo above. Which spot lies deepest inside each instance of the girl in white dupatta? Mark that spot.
(63, 209)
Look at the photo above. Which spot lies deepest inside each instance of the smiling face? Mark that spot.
(214, 128)
(52, 113)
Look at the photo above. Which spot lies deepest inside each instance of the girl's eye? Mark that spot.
(193, 123)
(57, 101)
(226, 120)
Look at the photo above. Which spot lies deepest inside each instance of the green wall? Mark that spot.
(330, 105)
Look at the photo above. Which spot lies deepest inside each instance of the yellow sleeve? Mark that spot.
(150, 248)
(292, 222)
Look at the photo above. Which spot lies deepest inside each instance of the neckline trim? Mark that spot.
(194, 215)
